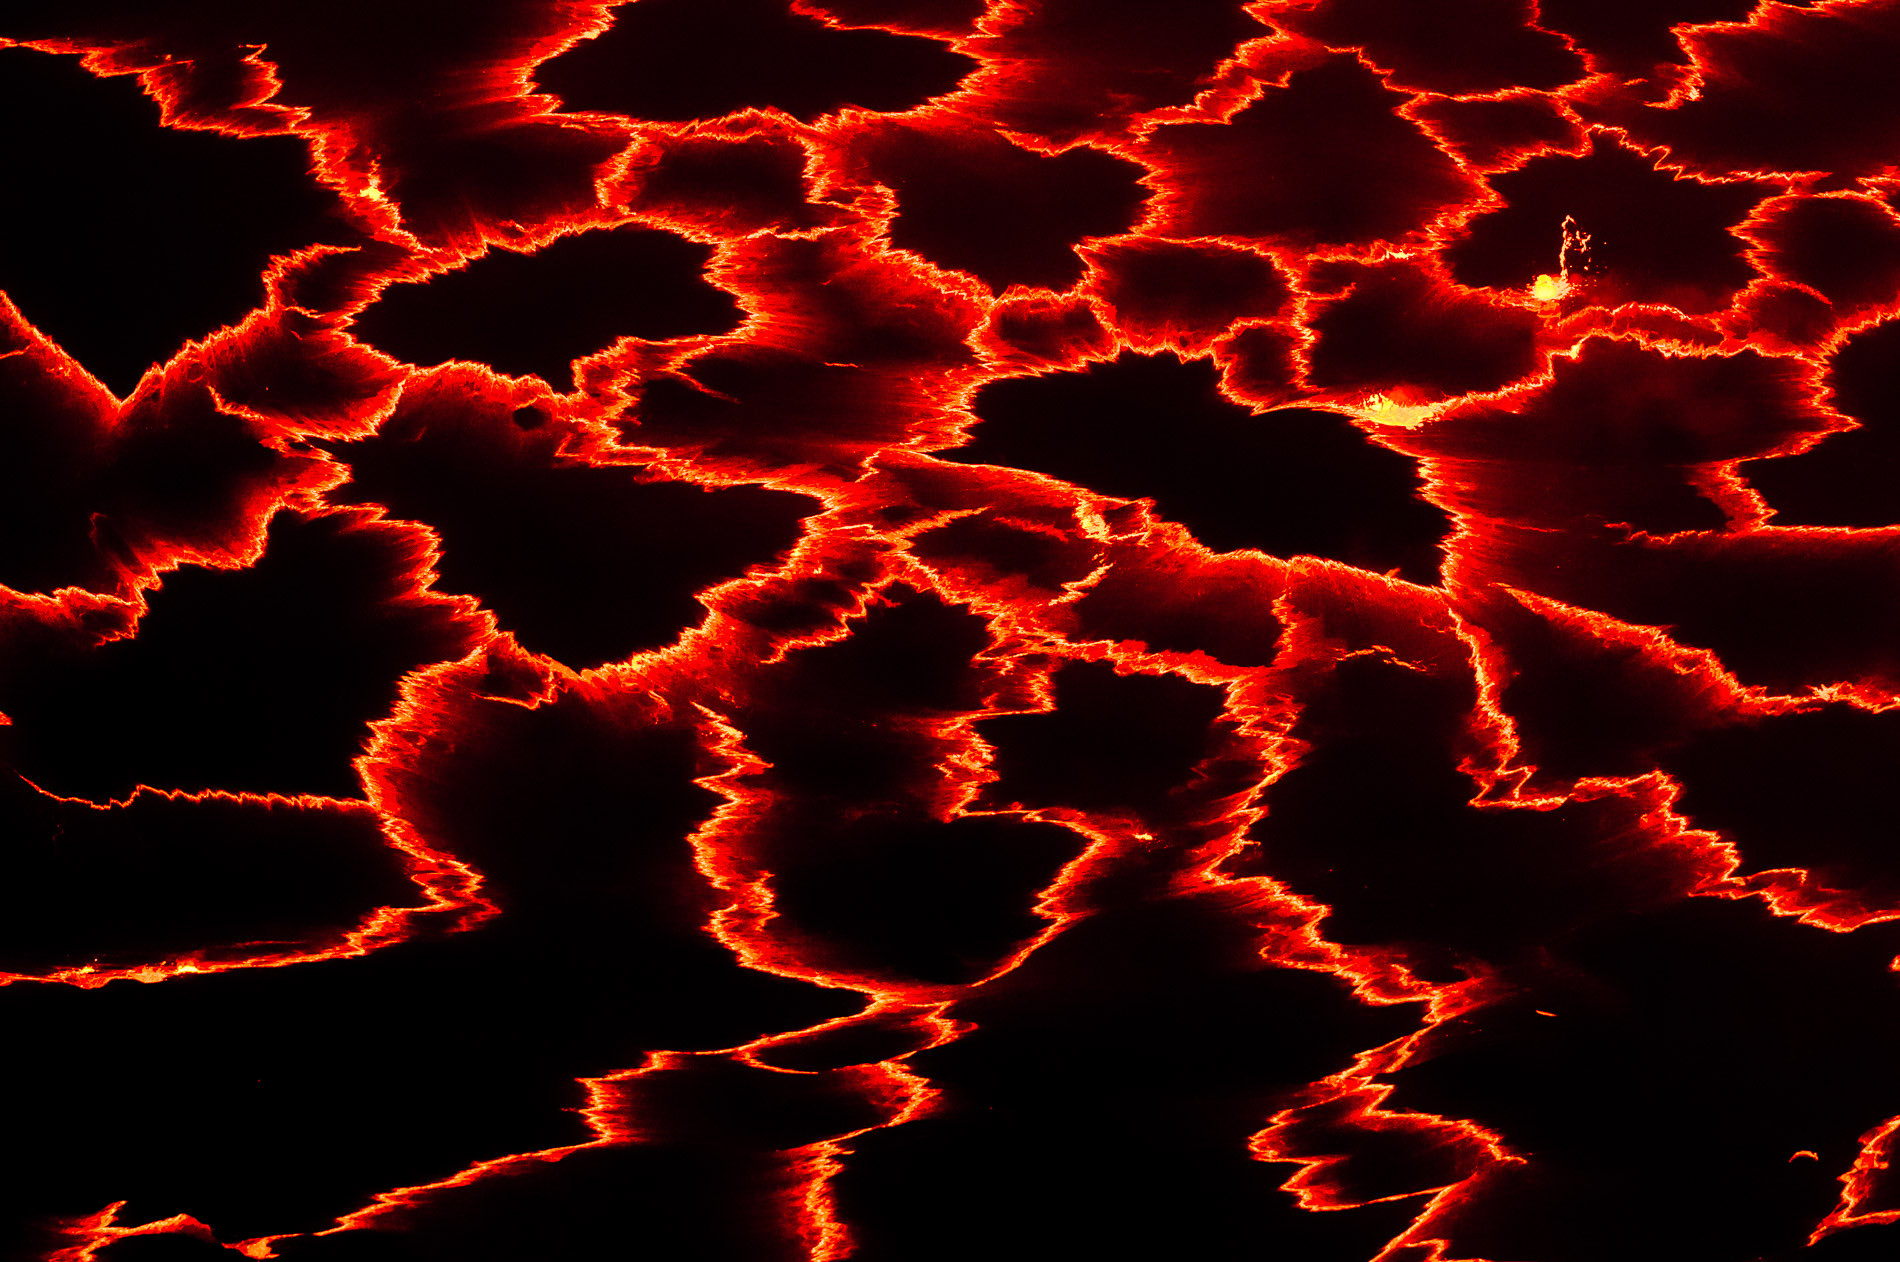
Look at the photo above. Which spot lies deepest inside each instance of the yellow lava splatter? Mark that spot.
(1385, 411)
(1548, 287)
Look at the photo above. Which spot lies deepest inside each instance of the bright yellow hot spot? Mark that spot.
(1549, 288)
(1389, 412)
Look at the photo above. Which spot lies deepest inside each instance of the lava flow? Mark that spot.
(912, 630)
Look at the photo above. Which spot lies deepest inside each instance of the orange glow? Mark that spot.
(797, 629)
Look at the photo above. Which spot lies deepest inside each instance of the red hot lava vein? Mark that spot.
(911, 630)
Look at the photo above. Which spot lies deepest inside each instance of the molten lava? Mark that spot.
(788, 630)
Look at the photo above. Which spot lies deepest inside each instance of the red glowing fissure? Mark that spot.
(898, 629)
